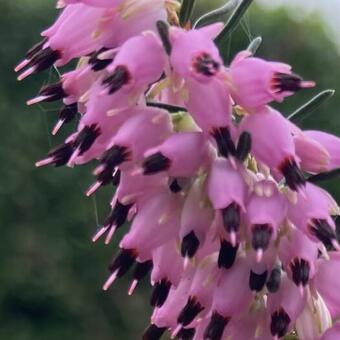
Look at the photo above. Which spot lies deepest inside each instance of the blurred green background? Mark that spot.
(50, 272)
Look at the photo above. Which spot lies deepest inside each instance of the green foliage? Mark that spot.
(51, 274)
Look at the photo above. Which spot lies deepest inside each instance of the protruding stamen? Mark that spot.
(44, 162)
(112, 230)
(283, 82)
(73, 157)
(233, 238)
(68, 112)
(259, 255)
(231, 217)
(59, 155)
(261, 237)
(101, 231)
(112, 278)
(40, 61)
(118, 215)
(142, 269)
(86, 137)
(57, 126)
(133, 286)
(186, 262)
(26, 73)
(257, 281)
(123, 262)
(21, 65)
(176, 331)
(93, 188)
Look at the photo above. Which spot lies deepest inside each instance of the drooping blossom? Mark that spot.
(211, 184)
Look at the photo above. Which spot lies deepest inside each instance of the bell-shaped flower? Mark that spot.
(298, 255)
(227, 192)
(166, 315)
(256, 82)
(314, 320)
(327, 282)
(284, 307)
(228, 301)
(210, 105)
(311, 214)
(194, 54)
(314, 157)
(181, 155)
(266, 211)
(146, 128)
(194, 227)
(273, 144)
(329, 142)
(156, 222)
(139, 62)
(166, 272)
(200, 293)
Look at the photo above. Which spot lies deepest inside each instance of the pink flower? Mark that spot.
(284, 307)
(266, 211)
(256, 82)
(273, 144)
(209, 182)
(201, 59)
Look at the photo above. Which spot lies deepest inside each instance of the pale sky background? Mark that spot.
(328, 10)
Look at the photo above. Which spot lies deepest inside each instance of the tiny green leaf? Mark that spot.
(216, 14)
(324, 176)
(233, 22)
(254, 45)
(186, 11)
(306, 109)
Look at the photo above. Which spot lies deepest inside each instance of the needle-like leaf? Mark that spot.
(217, 14)
(306, 109)
(186, 11)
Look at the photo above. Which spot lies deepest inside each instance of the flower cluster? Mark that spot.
(238, 241)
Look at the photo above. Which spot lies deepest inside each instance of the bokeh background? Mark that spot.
(50, 272)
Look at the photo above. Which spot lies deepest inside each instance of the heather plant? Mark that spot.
(219, 189)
